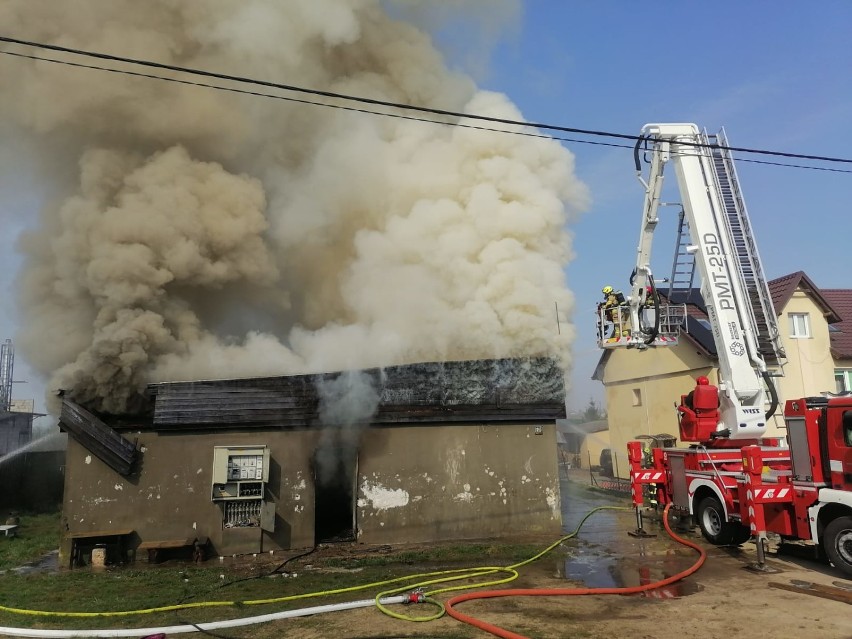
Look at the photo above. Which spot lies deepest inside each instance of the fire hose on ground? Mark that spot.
(558, 592)
(415, 593)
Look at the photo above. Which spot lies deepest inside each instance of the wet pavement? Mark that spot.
(603, 555)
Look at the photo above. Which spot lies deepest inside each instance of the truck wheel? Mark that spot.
(711, 519)
(837, 541)
(741, 534)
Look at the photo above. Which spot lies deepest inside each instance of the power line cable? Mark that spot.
(371, 112)
(397, 105)
(302, 101)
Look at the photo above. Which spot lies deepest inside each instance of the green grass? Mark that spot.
(474, 554)
(145, 587)
(36, 536)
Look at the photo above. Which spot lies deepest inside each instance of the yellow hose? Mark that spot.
(457, 574)
(470, 573)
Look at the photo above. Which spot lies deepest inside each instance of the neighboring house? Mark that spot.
(643, 388)
(841, 337)
(806, 319)
(580, 444)
(419, 453)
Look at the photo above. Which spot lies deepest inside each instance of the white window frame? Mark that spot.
(843, 379)
(800, 325)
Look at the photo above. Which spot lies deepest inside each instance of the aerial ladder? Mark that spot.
(715, 239)
(736, 482)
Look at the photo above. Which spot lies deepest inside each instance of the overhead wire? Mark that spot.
(377, 102)
(379, 113)
(307, 102)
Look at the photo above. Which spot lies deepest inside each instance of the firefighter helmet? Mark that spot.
(606, 290)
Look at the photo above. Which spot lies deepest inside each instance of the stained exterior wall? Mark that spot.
(414, 483)
(170, 498)
(436, 483)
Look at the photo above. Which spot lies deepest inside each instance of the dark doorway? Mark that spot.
(335, 471)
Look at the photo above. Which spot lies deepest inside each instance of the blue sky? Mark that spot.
(776, 75)
(20, 201)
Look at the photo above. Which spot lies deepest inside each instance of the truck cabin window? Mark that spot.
(847, 427)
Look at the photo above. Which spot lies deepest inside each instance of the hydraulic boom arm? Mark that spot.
(742, 368)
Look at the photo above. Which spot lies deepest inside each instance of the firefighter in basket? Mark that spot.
(616, 314)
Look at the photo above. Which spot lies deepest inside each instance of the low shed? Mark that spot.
(417, 453)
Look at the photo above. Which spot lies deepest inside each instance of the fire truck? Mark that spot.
(734, 480)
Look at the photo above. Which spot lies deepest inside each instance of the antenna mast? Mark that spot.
(7, 365)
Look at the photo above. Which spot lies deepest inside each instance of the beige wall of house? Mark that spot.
(641, 389)
(413, 483)
(810, 367)
(591, 447)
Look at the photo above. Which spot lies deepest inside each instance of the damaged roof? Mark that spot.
(529, 389)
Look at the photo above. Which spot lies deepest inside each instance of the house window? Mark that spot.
(637, 396)
(800, 326)
(843, 379)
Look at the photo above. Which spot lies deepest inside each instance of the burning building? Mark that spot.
(415, 453)
(207, 228)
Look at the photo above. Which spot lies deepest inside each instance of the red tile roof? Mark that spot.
(841, 338)
(781, 290)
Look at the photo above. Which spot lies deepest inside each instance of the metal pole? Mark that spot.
(761, 551)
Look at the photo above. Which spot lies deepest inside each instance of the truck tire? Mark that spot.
(711, 519)
(837, 541)
(741, 534)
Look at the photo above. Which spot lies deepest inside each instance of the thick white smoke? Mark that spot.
(346, 404)
(208, 234)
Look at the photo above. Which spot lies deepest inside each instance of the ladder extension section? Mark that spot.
(683, 269)
(742, 239)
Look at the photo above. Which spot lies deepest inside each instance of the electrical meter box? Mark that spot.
(239, 472)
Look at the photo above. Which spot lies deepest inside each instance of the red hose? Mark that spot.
(552, 592)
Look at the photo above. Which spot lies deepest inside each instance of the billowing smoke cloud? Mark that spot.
(201, 233)
(347, 403)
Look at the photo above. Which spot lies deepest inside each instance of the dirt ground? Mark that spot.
(722, 599)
